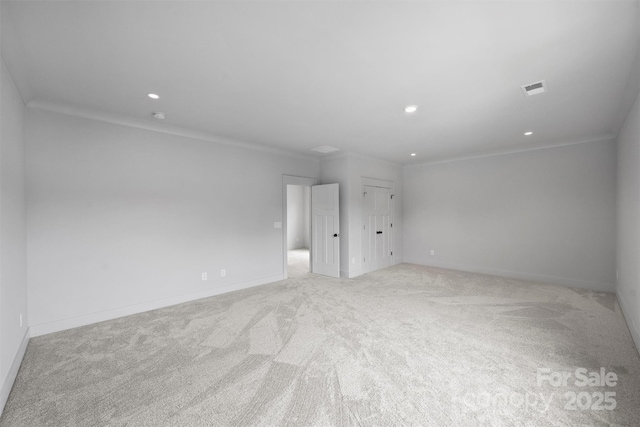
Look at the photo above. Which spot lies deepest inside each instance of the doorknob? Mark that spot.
(335, 235)
(378, 232)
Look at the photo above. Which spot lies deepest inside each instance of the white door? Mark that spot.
(325, 230)
(377, 233)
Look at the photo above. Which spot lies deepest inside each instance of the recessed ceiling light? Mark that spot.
(413, 154)
(528, 133)
(410, 108)
(159, 116)
(153, 96)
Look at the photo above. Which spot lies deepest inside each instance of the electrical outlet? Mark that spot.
(20, 319)
(223, 272)
(433, 252)
(204, 276)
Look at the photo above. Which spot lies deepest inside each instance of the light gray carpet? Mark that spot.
(407, 345)
(298, 263)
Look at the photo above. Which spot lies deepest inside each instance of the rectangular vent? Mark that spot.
(325, 149)
(534, 88)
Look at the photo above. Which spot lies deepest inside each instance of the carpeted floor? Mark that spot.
(408, 345)
(298, 263)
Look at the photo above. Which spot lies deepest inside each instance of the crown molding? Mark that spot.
(377, 159)
(630, 93)
(132, 122)
(102, 116)
(335, 155)
(588, 140)
(352, 154)
(13, 58)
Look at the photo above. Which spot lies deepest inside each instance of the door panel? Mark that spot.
(325, 230)
(377, 236)
(369, 230)
(383, 212)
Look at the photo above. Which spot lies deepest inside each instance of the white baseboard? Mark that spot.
(7, 384)
(573, 283)
(635, 333)
(88, 319)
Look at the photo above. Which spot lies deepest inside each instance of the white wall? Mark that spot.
(628, 225)
(628, 209)
(348, 170)
(13, 267)
(298, 216)
(122, 219)
(546, 215)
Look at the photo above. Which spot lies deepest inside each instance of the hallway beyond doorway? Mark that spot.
(298, 262)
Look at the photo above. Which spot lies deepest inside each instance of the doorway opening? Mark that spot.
(311, 227)
(298, 230)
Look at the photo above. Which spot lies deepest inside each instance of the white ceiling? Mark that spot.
(297, 75)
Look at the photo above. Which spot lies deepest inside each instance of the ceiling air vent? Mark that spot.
(534, 88)
(325, 149)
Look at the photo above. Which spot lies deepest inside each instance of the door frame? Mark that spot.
(380, 183)
(292, 180)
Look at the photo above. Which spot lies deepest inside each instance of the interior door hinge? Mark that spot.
(364, 194)
(391, 252)
(392, 196)
(391, 225)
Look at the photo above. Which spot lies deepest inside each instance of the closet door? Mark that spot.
(377, 236)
